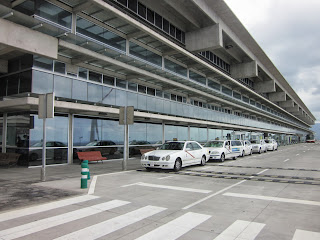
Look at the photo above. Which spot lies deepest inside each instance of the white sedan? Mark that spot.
(271, 144)
(175, 155)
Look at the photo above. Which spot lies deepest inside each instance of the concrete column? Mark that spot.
(244, 70)
(163, 133)
(70, 138)
(4, 132)
(188, 132)
(204, 39)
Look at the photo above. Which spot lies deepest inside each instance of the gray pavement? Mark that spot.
(21, 186)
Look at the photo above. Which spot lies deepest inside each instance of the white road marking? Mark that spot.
(303, 235)
(44, 207)
(277, 199)
(101, 229)
(36, 226)
(221, 191)
(214, 194)
(92, 185)
(297, 154)
(168, 187)
(166, 177)
(176, 228)
(241, 230)
(286, 160)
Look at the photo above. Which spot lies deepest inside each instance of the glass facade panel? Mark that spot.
(133, 86)
(226, 90)
(13, 84)
(96, 77)
(62, 86)
(25, 81)
(80, 90)
(42, 82)
(43, 63)
(108, 80)
(83, 73)
(154, 133)
(94, 93)
(100, 34)
(176, 68)
(214, 134)
(145, 54)
(214, 85)
(53, 13)
(59, 67)
(121, 83)
(175, 132)
(121, 98)
(197, 77)
(109, 96)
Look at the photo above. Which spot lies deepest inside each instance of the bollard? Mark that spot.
(84, 174)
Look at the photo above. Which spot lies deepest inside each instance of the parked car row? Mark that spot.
(177, 154)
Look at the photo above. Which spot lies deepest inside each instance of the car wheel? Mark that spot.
(222, 158)
(177, 165)
(259, 150)
(203, 161)
(242, 155)
(148, 169)
(234, 158)
(272, 148)
(251, 152)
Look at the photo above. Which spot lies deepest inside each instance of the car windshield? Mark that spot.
(214, 144)
(172, 146)
(255, 142)
(267, 141)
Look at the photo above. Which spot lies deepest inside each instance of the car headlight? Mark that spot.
(167, 158)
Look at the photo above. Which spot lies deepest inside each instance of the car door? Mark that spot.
(197, 152)
(189, 155)
(228, 149)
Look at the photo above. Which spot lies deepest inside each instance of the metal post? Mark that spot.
(4, 132)
(43, 168)
(126, 141)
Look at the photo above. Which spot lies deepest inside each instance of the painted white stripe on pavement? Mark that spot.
(114, 224)
(168, 187)
(241, 230)
(297, 154)
(36, 226)
(176, 228)
(286, 160)
(306, 235)
(262, 171)
(44, 207)
(166, 177)
(277, 199)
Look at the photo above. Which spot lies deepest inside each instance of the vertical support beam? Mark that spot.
(73, 23)
(163, 133)
(4, 132)
(207, 134)
(188, 132)
(126, 141)
(70, 139)
(127, 47)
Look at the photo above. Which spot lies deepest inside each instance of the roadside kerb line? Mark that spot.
(277, 199)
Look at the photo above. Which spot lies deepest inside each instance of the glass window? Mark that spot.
(142, 10)
(80, 90)
(197, 77)
(226, 90)
(172, 30)
(25, 81)
(53, 13)
(142, 89)
(145, 54)
(100, 34)
(151, 91)
(237, 95)
(123, 2)
(83, 73)
(159, 93)
(166, 95)
(109, 96)
(97, 77)
(132, 86)
(154, 133)
(59, 67)
(13, 84)
(150, 15)
(158, 20)
(245, 99)
(165, 25)
(108, 80)
(43, 63)
(133, 5)
(178, 34)
(176, 132)
(252, 102)
(174, 67)
(214, 85)
(42, 82)
(121, 83)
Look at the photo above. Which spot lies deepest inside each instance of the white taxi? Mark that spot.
(259, 146)
(223, 149)
(175, 155)
(271, 144)
(247, 147)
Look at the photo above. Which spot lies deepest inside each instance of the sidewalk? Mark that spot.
(21, 187)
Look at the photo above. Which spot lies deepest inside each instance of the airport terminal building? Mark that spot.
(188, 67)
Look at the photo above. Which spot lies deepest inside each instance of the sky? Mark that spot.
(288, 31)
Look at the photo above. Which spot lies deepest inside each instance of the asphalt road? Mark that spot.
(274, 195)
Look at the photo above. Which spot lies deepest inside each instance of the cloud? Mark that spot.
(287, 31)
